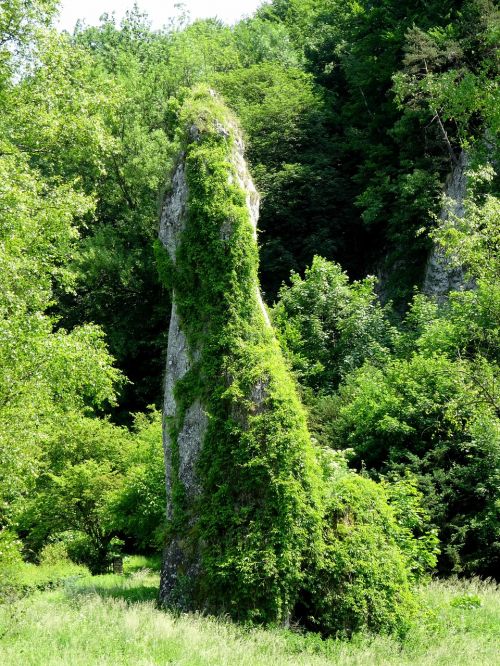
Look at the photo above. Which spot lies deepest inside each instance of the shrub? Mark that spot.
(363, 579)
(427, 414)
(10, 559)
(329, 326)
(54, 553)
(138, 507)
(81, 549)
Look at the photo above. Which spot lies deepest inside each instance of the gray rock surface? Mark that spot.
(180, 358)
(441, 276)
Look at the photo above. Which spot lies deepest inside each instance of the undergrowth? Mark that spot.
(97, 620)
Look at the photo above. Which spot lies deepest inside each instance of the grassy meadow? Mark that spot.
(112, 620)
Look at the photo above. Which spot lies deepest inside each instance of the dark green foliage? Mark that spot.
(435, 411)
(287, 120)
(393, 156)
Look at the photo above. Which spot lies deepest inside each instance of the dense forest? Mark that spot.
(358, 118)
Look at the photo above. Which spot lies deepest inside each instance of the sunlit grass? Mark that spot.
(30, 576)
(113, 620)
(132, 563)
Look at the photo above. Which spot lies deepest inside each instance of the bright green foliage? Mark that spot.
(24, 578)
(139, 506)
(257, 520)
(430, 402)
(362, 580)
(79, 500)
(451, 72)
(435, 412)
(19, 20)
(44, 373)
(10, 562)
(53, 381)
(89, 112)
(81, 467)
(416, 538)
(98, 482)
(138, 79)
(328, 327)
(260, 41)
(353, 115)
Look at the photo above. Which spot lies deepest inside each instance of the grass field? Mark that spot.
(112, 621)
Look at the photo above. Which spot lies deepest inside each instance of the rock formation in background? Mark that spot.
(242, 483)
(441, 275)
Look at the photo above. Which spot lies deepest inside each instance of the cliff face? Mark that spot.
(180, 355)
(440, 276)
(240, 471)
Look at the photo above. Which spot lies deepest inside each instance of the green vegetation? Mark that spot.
(98, 482)
(257, 519)
(423, 398)
(384, 432)
(257, 522)
(363, 579)
(419, 397)
(113, 620)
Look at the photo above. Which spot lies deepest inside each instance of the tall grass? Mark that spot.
(112, 620)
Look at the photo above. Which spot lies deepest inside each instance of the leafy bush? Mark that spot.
(328, 326)
(139, 505)
(84, 550)
(364, 576)
(416, 537)
(425, 415)
(10, 560)
(54, 553)
(18, 578)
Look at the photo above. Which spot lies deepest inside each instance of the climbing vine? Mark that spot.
(257, 520)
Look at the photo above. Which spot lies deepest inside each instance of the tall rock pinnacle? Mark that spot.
(242, 484)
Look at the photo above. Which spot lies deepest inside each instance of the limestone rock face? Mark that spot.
(179, 354)
(440, 276)
(241, 475)
(180, 359)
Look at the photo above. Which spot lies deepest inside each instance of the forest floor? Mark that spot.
(112, 620)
